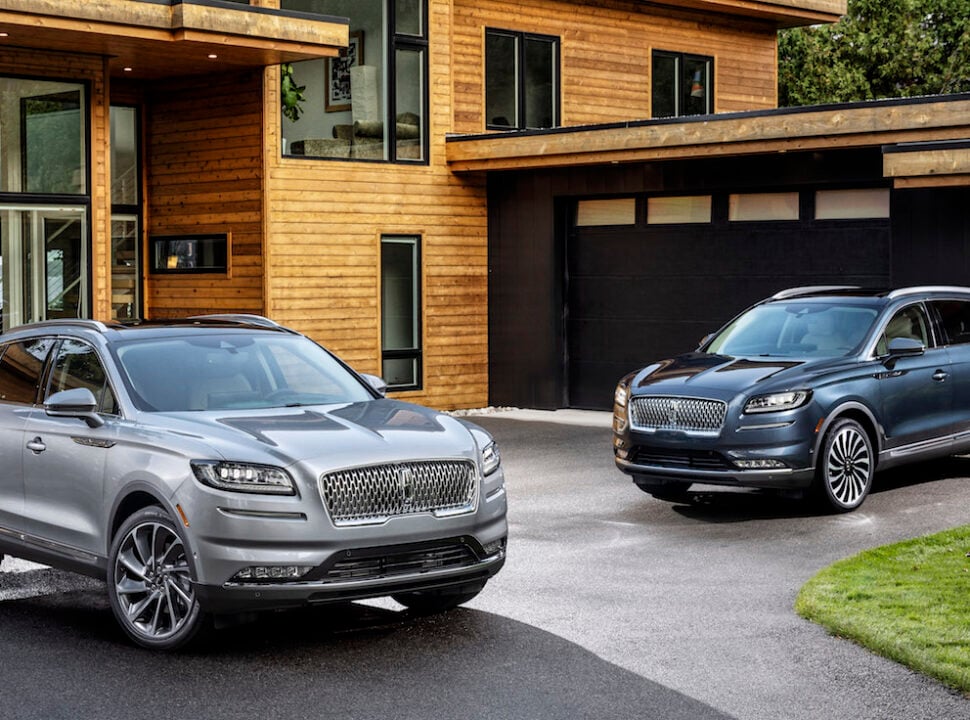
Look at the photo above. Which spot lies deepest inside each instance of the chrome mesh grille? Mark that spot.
(677, 413)
(372, 494)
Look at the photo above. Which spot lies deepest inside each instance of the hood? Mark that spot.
(703, 371)
(360, 433)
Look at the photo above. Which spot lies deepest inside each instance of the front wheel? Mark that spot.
(150, 582)
(846, 466)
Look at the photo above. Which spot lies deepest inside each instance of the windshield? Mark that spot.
(225, 371)
(796, 329)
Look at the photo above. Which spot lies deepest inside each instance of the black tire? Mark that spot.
(428, 602)
(670, 491)
(150, 582)
(845, 466)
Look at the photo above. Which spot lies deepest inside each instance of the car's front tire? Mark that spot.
(846, 466)
(150, 582)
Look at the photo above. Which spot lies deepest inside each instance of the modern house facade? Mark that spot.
(463, 196)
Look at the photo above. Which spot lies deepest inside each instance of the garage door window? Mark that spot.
(852, 204)
(614, 211)
(755, 207)
(678, 210)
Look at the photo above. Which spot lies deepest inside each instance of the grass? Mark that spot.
(909, 602)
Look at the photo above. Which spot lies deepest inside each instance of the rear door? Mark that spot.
(954, 321)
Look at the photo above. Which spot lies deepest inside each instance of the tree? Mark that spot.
(880, 49)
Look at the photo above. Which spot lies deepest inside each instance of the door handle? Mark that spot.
(940, 375)
(36, 445)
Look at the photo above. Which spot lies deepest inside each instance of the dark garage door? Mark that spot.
(638, 294)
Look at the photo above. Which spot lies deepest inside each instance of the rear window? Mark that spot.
(21, 368)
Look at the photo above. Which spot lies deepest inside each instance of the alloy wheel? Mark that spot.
(848, 465)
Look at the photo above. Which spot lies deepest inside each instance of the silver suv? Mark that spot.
(223, 465)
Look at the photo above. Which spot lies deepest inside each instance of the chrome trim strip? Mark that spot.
(49, 545)
(628, 466)
(770, 426)
(918, 447)
(262, 514)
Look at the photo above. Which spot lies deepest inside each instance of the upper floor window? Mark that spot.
(682, 84)
(371, 103)
(521, 80)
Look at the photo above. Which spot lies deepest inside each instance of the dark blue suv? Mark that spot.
(815, 387)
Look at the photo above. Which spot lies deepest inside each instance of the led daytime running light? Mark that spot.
(244, 477)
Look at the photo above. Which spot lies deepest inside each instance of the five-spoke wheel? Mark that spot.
(846, 466)
(149, 582)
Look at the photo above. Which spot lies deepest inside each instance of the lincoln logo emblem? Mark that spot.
(672, 411)
(405, 480)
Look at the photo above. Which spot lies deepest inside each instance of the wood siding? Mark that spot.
(325, 219)
(605, 56)
(204, 169)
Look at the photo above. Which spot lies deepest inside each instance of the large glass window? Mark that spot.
(125, 214)
(682, 84)
(521, 80)
(401, 312)
(43, 200)
(372, 102)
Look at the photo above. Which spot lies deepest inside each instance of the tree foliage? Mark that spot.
(880, 49)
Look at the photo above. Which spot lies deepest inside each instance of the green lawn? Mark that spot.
(909, 602)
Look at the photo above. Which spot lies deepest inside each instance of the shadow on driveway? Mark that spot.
(64, 657)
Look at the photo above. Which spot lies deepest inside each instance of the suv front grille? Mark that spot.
(677, 413)
(404, 562)
(370, 495)
(692, 459)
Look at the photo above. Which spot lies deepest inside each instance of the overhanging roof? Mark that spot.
(783, 13)
(877, 123)
(169, 38)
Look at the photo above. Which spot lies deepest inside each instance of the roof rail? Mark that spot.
(72, 322)
(243, 318)
(903, 292)
(812, 290)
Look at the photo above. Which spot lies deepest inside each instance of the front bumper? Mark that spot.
(782, 478)
(459, 564)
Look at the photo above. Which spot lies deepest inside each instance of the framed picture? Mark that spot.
(337, 95)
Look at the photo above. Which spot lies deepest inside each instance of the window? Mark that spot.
(401, 312)
(189, 253)
(372, 102)
(955, 320)
(852, 204)
(674, 210)
(125, 214)
(20, 370)
(521, 80)
(682, 84)
(77, 365)
(751, 207)
(44, 201)
(909, 323)
(614, 211)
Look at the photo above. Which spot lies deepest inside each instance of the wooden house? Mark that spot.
(461, 195)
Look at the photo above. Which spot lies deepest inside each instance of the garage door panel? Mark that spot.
(641, 295)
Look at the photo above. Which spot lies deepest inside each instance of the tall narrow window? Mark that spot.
(682, 84)
(125, 214)
(401, 312)
(521, 80)
(371, 103)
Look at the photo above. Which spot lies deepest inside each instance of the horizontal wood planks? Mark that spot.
(605, 55)
(204, 158)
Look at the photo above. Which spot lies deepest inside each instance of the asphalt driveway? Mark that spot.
(698, 598)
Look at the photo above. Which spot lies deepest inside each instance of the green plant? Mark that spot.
(291, 94)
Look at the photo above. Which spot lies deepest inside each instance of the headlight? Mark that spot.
(244, 477)
(620, 396)
(776, 402)
(490, 458)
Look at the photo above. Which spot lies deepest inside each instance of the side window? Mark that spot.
(521, 80)
(682, 84)
(20, 370)
(77, 365)
(910, 322)
(955, 320)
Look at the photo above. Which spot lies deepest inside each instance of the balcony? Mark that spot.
(151, 39)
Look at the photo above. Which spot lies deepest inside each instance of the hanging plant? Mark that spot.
(291, 94)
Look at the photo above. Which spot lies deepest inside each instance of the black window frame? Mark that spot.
(414, 353)
(521, 110)
(682, 93)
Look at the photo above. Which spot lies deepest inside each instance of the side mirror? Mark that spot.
(903, 347)
(376, 383)
(77, 403)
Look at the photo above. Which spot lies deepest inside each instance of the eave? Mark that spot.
(170, 38)
(783, 13)
(870, 124)
(928, 164)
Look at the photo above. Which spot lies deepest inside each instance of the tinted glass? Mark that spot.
(664, 88)
(221, 371)
(500, 77)
(697, 86)
(540, 81)
(795, 329)
(955, 319)
(77, 365)
(20, 370)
